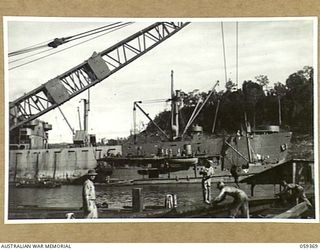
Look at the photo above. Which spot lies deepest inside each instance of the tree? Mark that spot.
(230, 85)
(262, 80)
(252, 92)
(280, 89)
(299, 99)
(293, 100)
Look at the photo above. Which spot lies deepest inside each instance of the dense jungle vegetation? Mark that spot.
(258, 100)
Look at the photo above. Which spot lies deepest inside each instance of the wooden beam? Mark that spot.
(294, 212)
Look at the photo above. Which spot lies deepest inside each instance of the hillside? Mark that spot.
(256, 103)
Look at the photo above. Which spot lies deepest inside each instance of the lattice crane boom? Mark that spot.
(98, 67)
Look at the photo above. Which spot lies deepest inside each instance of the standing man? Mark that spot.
(240, 201)
(207, 173)
(89, 196)
(296, 190)
(235, 175)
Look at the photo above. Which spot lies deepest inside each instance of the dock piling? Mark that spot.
(137, 200)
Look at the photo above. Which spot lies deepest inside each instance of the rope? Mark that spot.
(109, 31)
(237, 55)
(224, 54)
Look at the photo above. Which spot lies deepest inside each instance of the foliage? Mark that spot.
(262, 80)
(259, 107)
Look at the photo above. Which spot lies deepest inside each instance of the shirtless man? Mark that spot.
(240, 201)
(296, 191)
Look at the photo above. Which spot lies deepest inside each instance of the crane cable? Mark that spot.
(37, 53)
(59, 41)
(224, 53)
(237, 54)
(107, 32)
(22, 58)
(153, 101)
(97, 30)
(23, 51)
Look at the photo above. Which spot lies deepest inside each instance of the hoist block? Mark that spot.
(98, 66)
(56, 92)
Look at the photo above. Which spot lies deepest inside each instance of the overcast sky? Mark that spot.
(276, 48)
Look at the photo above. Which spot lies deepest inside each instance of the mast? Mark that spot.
(279, 110)
(86, 109)
(172, 105)
(176, 113)
(175, 97)
(134, 123)
(85, 115)
(215, 117)
(248, 130)
(80, 127)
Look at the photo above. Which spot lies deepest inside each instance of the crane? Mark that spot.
(98, 67)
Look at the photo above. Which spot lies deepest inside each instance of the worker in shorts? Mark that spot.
(240, 202)
(295, 190)
(207, 173)
(89, 196)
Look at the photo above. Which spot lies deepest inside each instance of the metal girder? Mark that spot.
(97, 68)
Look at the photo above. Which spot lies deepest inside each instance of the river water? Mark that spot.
(117, 196)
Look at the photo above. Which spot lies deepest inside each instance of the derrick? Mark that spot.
(98, 67)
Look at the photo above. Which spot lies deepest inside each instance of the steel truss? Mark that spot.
(98, 67)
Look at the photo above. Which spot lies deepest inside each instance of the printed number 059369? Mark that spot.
(310, 246)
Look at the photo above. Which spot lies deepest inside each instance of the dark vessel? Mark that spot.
(179, 157)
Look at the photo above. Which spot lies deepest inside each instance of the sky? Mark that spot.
(272, 47)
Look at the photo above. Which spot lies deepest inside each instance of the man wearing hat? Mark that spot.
(89, 196)
(207, 173)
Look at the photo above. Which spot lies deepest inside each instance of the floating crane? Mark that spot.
(98, 67)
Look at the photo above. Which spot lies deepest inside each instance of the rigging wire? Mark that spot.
(23, 51)
(108, 31)
(99, 30)
(95, 29)
(224, 54)
(154, 101)
(37, 53)
(58, 41)
(237, 54)
(52, 47)
(37, 44)
(32, 46)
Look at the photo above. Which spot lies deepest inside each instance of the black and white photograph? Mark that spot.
(149, 119)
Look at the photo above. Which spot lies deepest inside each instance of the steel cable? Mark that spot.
(109, 31)
(65, 40)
